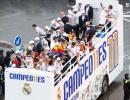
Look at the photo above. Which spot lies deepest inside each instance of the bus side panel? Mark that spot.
(117, 66)
(28, 84)
(84, 81)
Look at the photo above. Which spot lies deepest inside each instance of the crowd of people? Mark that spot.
(68, 38)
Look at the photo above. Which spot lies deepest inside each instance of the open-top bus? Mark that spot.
(85, 80)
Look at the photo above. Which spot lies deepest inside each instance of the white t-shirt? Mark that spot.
(73, 50)
(71, 18)
(53, 44)
(40, 31)
(29, 62)
(87, 10)
(102, 20)
(76, 18)
(78, 8)
(58, 66)
(55, 25)
(61, 24)
(111, 13)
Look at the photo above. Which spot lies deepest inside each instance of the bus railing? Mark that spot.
(104, 33)
(69, 62)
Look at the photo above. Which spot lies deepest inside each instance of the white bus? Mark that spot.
(84, 81)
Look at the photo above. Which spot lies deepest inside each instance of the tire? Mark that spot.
(105, 83)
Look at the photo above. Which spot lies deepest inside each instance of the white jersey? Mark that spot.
(102, 20)
(40, 31)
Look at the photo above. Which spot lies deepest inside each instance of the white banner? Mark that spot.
(28, 84)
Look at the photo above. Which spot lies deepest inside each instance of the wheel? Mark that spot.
(105, 83)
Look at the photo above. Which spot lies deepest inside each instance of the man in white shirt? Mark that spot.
(54, 42)
(44, 43)
(110, 15)
(102, 20)
(78, 6)
(73, 50)
(38, 30)
(59, 21)
(58, 65)
(71, 17)
(54, 25)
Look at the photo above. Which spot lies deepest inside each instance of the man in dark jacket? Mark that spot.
(64, 18)
(82, 22)
(126, 87)
(67, 27)
(91, 32)
(89, 11)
